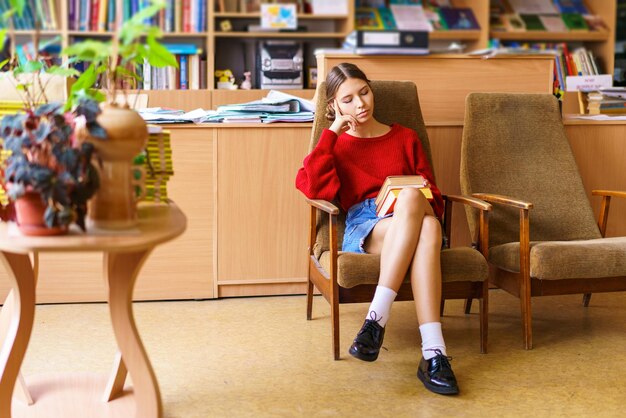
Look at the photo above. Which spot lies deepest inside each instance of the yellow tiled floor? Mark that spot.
(253, 357)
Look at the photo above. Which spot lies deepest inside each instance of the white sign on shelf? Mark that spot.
(588, 82)
(279, 16)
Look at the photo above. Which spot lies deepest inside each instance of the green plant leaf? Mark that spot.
(63, 72)
(31, 66)
(18, 5)
(3, 37)
(88, 50)
(159, 56)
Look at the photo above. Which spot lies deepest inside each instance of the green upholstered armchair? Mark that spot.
(543, 238)
(350, 277)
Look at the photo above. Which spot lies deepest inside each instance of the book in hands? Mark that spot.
(388, 194)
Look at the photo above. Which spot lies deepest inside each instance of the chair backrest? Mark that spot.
(515, 145)
(394, 102)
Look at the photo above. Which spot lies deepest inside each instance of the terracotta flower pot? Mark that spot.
(29, 212)
(114, 205)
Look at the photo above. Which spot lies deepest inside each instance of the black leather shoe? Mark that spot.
(368, 341)
(437, 375)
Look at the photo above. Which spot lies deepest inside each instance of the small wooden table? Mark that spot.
(124, 255)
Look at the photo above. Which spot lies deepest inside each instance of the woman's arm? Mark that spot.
(317, 178)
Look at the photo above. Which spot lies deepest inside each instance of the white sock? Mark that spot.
(432, 339)
(381, 305)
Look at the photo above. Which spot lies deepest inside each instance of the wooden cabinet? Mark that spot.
(261, 216)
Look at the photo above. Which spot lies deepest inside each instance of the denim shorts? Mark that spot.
(360, 221)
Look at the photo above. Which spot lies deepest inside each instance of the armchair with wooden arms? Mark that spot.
(543, 239)
(350, 277)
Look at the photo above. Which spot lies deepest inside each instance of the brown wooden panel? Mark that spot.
(262, 218)
(600, 152)
(443, 82)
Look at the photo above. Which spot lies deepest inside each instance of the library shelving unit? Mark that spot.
(235, 49)
(600, 42)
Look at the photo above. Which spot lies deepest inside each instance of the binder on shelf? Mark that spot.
(374, 42)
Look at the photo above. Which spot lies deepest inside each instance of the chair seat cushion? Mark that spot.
(553, 260)
(457, 265)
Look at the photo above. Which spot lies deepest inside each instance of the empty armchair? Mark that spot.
(543, 238)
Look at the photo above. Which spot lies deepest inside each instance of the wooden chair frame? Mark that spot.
(326, 282)
(523, 286)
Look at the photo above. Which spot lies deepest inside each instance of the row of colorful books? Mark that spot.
(100, 15)
(42, 11)
(542, 15)
(191, 73)
(415, 17)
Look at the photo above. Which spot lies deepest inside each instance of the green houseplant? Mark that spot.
(48, 169)
(111, 63)
(48, 173)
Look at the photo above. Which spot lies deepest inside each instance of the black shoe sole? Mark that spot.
(365, 357)
(434, 388)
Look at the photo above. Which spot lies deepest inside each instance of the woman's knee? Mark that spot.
(410, 201)
(431, 230)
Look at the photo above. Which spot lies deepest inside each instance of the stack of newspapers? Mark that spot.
(275, 107)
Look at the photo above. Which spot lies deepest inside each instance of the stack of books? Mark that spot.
(610, 101)
(155, 165)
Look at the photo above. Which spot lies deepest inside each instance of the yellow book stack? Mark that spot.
(156, 165)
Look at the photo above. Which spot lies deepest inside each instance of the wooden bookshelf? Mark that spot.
(235, 49)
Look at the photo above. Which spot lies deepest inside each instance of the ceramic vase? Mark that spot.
(114, 204)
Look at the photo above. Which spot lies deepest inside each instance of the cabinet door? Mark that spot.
(262, 220)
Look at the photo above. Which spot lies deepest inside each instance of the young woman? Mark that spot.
(351, 161)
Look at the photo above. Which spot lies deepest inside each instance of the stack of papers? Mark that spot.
(275, 107)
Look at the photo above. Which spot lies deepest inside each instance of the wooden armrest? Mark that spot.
(324, 205)
(603, 216)
(611, 193)
(471, 201)
(505, 200)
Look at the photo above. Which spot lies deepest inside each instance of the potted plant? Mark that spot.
(48, 173)
(132, 44)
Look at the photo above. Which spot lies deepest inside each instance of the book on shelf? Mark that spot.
(537, 7)
(571, 6)
(532, 22)
(389, 191)
(458, 18)
(410, 17)
(605, 101)
(574, 21)
(553, 23)
(368, 18)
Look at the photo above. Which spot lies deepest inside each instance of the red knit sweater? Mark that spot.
(354, 169)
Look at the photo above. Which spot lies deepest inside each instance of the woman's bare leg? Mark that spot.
(426, 272)
(396, 238)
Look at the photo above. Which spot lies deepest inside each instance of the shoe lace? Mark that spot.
(369, 326)
(443, 359)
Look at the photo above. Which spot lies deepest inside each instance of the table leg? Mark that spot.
(121, 272)
(115, 385)
(20, 326)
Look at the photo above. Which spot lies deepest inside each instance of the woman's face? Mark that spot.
(354, 97)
